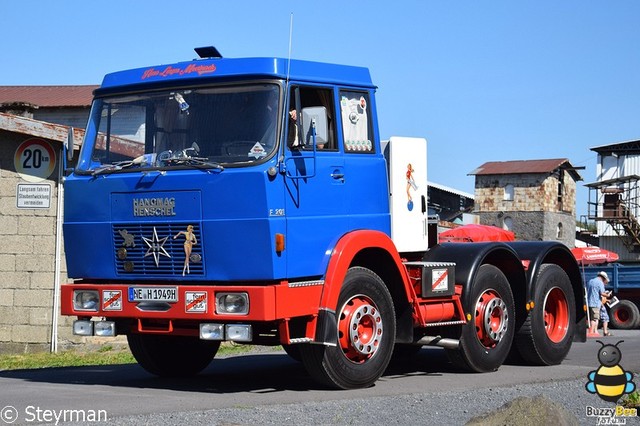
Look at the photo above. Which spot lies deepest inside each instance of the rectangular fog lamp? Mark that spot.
(83, 328)
(212, 331)
(239, 332)
(105, 328)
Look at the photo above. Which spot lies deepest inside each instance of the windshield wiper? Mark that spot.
(188, 157)
(114, 167)
(200, 163)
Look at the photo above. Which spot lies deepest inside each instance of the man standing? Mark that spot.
(595, 292)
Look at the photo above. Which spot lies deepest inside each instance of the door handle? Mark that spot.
(337, 175)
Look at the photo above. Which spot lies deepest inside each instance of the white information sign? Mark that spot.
(33, 196)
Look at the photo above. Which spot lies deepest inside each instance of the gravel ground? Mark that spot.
(450, 408)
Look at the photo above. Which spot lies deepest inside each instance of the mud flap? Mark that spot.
(326, 328)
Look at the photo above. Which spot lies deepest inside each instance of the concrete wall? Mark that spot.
(76, 117)
(27, 260)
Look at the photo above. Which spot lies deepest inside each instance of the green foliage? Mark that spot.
(632, 400)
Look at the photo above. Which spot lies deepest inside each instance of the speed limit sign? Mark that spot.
(35, 160)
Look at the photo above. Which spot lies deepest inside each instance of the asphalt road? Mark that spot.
(265, 379)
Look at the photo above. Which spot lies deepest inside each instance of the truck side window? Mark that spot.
(356, 126)
(311, 97)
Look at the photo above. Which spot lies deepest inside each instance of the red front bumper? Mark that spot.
(198, 302)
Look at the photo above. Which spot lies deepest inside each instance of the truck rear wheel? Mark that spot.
(486, 339)
(172, 356)
(366, 333)
(547, 334)
(624, 315)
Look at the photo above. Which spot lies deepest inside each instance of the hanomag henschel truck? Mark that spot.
(251, 200)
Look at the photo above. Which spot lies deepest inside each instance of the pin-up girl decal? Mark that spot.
(411, 184)
(190, 241)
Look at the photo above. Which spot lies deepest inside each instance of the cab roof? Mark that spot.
(234, 69)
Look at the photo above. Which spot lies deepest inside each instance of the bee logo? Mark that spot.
(610, 381)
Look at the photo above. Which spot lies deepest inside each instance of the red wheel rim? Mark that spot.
(492, 318)
(360, 329)
(622, 315)
(556, 315)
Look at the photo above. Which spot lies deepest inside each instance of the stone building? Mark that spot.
(535, 199)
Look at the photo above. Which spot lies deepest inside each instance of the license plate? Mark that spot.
(155, 294)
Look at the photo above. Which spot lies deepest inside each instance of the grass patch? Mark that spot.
(105, 355)
(65, 359)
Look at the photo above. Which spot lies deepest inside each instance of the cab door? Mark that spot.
(315, 177)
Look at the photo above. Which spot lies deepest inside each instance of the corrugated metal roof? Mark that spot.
(48, 96)
(624, 148)
(451, 190)
(519, 167)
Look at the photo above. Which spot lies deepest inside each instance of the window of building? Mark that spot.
(559, 231)
(560, 189)
(508, 192)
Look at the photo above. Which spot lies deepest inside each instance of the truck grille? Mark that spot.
(150, 249)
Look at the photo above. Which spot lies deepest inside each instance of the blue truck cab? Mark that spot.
(211, 144)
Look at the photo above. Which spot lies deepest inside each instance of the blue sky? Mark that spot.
(481, 80)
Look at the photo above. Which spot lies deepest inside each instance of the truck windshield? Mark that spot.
(201, 127)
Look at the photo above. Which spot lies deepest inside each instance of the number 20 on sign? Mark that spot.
(35, 160)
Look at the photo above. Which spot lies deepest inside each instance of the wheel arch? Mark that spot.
(375, 251)
(468, 258)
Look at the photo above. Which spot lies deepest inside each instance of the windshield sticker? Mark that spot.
(171, 71)
(257, 151)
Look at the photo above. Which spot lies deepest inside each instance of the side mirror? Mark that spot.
(69, 145)
(317, 115)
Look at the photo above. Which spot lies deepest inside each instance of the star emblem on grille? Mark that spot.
(156, 247)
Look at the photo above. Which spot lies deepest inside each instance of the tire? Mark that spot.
(366, 334)
(486, 339)
(293, 351)
(172, 356)
(624, 315)
(547, 333)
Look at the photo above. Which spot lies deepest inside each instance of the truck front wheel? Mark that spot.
(486, 338)
(366, 333)
(172, 356)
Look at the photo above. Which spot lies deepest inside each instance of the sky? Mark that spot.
(480, 80)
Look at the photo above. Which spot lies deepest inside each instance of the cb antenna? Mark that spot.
(280, 163)
(290, 43)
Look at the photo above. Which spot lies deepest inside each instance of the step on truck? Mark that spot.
(251, 200)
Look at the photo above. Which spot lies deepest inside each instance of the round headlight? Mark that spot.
(233, 303)
(86, 300)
